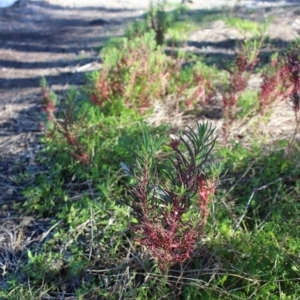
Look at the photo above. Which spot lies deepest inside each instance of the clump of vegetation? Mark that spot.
(239, 71)
(137, 75)
(271, 87)
(160, 205)
(291, 77)
(158, 20)
(281, 81)
(244, 25)
(131, 80)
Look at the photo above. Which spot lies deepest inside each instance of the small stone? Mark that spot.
(9, 192)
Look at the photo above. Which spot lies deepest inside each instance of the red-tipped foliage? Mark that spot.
(49, 103)
(283, 79)
(239, 72)
(293, 70)
(206, 191)
(237, 83)
(238, 78)
(66, 127)
(267, 94)
(161, 206)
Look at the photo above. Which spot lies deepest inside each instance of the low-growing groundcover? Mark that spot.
(135, 214)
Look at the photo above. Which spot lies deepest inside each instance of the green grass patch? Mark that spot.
(243, 25)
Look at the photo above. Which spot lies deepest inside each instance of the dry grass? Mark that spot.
(279, 124)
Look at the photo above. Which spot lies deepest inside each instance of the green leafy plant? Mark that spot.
(157, 19)
(247, 105)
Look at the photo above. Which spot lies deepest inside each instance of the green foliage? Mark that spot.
(247, 105)
(243, 25)
(157, 19)
(132, 72)
(257, 229)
